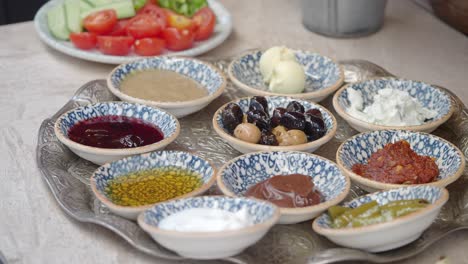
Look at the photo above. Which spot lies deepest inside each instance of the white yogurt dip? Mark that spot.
(206, 220)
(390, 107)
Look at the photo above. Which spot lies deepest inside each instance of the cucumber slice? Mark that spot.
(72, 14)
(57, 23)
(100, 2)
(85, 6)
(124, 9)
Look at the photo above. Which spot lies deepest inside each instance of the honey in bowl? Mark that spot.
(152, 186)
(162, 85)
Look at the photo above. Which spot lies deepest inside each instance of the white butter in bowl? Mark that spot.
(281, 71)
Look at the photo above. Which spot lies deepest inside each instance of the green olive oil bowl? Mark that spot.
(139, 194)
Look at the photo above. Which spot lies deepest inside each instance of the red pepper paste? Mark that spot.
(397, 163)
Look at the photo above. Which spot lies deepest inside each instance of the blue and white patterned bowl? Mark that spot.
(323, 75)
(274, 102)
(359, 148)
(392, 234)
(148, 161)
(429, 96)
(239, 174)
(210, 245)
(166, 122)
(205, 74)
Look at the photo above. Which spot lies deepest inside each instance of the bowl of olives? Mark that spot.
(264, 123)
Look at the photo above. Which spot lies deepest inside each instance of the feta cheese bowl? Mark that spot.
(391, 103)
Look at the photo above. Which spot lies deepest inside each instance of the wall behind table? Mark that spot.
(13, 11)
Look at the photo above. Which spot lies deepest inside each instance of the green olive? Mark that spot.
(279, 131)
(292, 137)
(247, 132)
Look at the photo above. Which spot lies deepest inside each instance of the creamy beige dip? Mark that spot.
(162, 85)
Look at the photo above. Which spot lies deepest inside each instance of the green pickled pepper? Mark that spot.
(371, 213)
(346, 217)
(336, 210)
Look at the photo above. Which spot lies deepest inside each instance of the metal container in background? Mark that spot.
(343, 18)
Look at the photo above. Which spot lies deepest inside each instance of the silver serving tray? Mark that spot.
(68, 179)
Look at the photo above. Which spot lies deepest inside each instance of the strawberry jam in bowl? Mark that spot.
(109, 131)
(115, 131)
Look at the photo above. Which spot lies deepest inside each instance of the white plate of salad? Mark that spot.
(119, 31)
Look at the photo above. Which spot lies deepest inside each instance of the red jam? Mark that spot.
(115, 132)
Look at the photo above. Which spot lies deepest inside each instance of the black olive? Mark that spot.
(277, 114)
(259, 103)
(254, 105)
(314, 112)
(231, 116)
(315, 128)
(295, 106)
(267, 138)
(260, 119)
(293, 120)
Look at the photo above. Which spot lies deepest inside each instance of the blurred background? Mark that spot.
(13, 11)
(453, 12)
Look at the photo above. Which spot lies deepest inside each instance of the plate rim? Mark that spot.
(218, 9)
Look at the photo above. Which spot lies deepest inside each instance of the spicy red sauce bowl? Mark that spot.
(110, 131)
(359, 149)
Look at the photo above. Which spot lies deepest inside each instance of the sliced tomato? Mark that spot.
(120, 29)
(180, 22)
(178, 39)
(149, 46)
(118, 45)
(158, 13)
(83, 40)
(143, 26)
(101, 22)
(205, 19)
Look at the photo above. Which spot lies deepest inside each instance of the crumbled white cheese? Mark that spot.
(390, 107)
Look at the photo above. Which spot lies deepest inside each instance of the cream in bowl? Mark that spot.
(303, 185)
(209, 227)
(391, 103)
(179, 85)
(131, 185)
(383, 220)
(108, 131)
